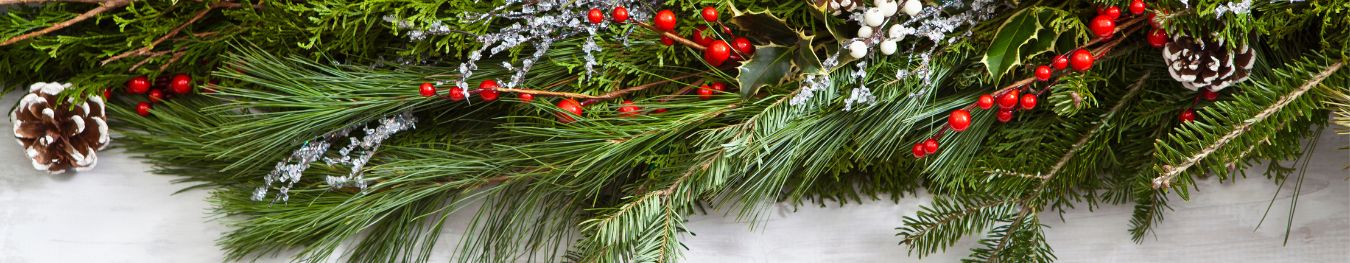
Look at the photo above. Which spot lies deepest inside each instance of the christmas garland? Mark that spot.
(589, 129)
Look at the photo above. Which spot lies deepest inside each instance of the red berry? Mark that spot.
(1137, 7)
(1081, 60)
(659, 110)
(1187, 115)
(959, 120)
(155, 96)
(595, 16)
(664, 20)
(1004, 115)
(701, 37)
(1103, 26)
(709, 14)
(456, 94)
(107, 93)
(665, 40)
(427, 90)
(1112, 12)
(1209, 95)
(628, 109)
(717, 53)
(718, 86)
(143, 109)
(488, 90)
(1060, 62)
(1153, 19)
(138, 85)
(619, 14)
(1008, 100)
(571, 108)
(526, 97)
(181, 84)
(1157, 37)
(918, 150)
(930, 146)
(985, 102)
(1043, 73)
(743, 46)
(705, 92)
(1029, 101)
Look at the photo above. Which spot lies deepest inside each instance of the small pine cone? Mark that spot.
(55, 135)
(1201, 64)
(837, 7)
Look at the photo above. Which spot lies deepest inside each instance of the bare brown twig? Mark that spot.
(146, 49)
(104, 6)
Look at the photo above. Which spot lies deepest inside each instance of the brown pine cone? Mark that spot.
(55, 135)
(1207, 65)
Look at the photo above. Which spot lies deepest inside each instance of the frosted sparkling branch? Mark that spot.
(356, 154)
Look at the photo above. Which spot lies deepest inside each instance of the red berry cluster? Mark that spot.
(619, 14)
(1188, 115)
(486, 90)
(163, 88)
(706, 91)
(716, 49)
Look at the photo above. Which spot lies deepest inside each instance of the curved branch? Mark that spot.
(104, 6)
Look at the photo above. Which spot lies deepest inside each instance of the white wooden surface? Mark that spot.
(121, 213)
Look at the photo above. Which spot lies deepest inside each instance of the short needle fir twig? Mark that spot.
(147, 48)
(104, 6)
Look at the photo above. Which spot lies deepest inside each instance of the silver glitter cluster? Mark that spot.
(1240, 8)
(535, 23)
(356, 154)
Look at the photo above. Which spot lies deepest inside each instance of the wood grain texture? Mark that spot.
(119, 212)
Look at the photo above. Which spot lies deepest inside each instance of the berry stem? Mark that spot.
(673, 36)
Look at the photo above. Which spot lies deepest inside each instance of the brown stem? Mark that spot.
(674, 36)
(147, 59)
(11, 2)
(606, 96)
(146, 49)
(176, 56)
(104, 6)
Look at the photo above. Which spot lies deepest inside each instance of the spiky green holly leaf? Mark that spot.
(764, 27)
(1027, 33)
(769, 65)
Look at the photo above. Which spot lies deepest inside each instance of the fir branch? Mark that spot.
(147, 48)
(103, 6)
(1171, 171)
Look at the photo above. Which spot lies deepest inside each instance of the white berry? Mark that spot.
(865, 32)
(873, 17)
(912, 7)
(887, 47)
(888, 8)
(897, 31)
(857, 49)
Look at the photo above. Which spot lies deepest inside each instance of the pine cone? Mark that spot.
(1207, 65)
(836, 7)
(55, 135)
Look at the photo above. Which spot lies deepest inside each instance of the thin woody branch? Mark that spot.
(104, 6)
(606, 96)
(15, 2)
(147, 49)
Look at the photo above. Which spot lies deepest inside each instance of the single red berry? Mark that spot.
(717, 53)
(1060, 62)
(619, 14)
(718, 86)
(1187, 115)
(526, 97)
(959, 120)
(1112, 12)
(1043, 73)
(143, 109)
(743, 46)
(1004, 115)
(709, 14)
(1103, 26)
(595, 16)
(930, 146)
(628, 109)
(985, 102)
(918, 150)
(1157, 37)
(1081, 60)
(1008, 100)
(1137, 7)
(705, 92)
(661, 110)
(1153, 19)
(1029, 101)
(701, 36)
(181, 84)
(664, 20)
(1209, 95)
(726, 30)
(488, 90)
(665, 40)
(427, 90)
(456, 94)
(107, 93)
(155, 96)
(138, 85)
(571, 108)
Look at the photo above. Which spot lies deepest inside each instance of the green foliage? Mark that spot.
(1029, 32)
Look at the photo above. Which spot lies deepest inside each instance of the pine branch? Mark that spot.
(1171, 171)
(104, 6)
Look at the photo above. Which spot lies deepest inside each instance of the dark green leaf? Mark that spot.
(768, 66)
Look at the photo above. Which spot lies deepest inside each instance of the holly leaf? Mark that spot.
(1024, 34)
(806, 60)
(763, 27)
(769, 65)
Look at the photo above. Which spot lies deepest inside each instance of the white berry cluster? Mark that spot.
(874, 18)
